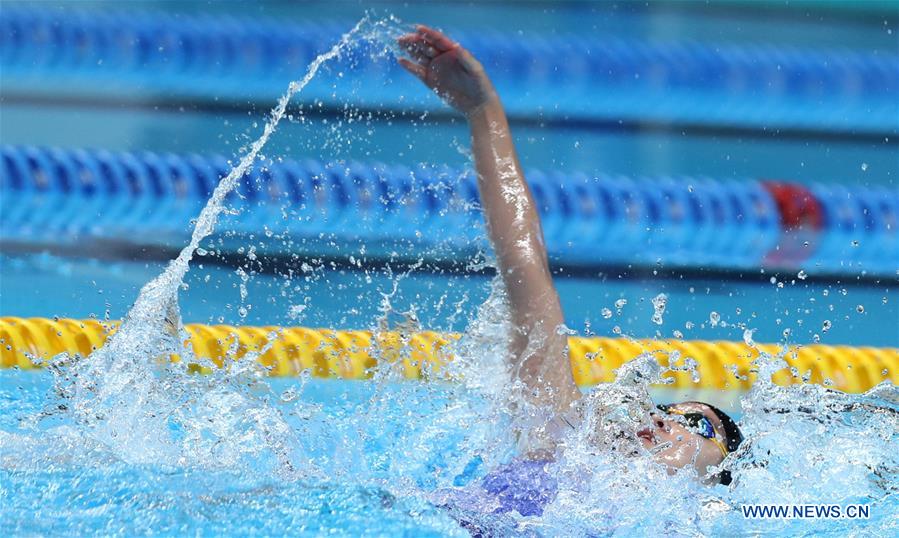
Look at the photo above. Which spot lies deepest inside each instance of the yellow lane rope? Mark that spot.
(353, 354)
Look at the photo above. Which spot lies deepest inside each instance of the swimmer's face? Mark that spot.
(675, 445)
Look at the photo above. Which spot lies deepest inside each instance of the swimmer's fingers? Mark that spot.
(418, 50)
(417, 47)
(435, 38)
(418, 70)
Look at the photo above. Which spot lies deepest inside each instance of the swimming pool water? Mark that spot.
(86, 489)
(366, 457)
(47, 286)
(121, 444)
(235, 453)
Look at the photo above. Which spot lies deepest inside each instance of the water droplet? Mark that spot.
(619, 304)
(295, 311)
(606, 313)
(678, 334)
(714, 318)
(773, 280)
(242, 312)
(801, 275)
(659, 302)
(864, 167)
(563, 329)
(826, 325)
(289, 395)
(202, 251)
(747, 337)
(860, 309)
(855, 243)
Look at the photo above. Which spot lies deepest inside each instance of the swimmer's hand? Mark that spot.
(448, 69)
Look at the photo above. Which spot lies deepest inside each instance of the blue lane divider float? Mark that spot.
(860, 228)
(202, 56)
(51, 195)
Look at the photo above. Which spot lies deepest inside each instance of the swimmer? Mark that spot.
(687, 434)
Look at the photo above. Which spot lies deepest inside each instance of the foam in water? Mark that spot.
(258, 450)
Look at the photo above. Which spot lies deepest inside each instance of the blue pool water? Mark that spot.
(365, 458)
(148, 490)
(121, 444)
(47, 285)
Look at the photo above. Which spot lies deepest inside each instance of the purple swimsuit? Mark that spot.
(523, 486)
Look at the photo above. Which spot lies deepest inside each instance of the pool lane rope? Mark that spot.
(240, 58)
(55, 196)
(326, 353)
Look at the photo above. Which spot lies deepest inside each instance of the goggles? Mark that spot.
(696, 423)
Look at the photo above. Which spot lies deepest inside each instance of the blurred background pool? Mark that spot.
(722, 98)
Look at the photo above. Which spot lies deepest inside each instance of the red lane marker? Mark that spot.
(802, 220)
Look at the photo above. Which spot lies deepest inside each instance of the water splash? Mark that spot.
(659, 303)
(126, 414)
(163, 290)
(145, 410)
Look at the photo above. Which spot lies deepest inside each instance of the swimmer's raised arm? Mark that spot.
(538, 350)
